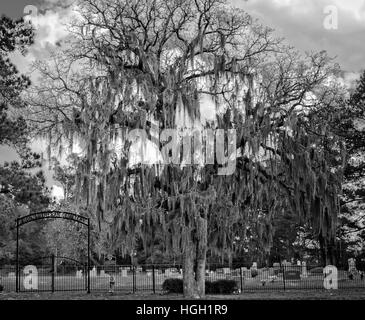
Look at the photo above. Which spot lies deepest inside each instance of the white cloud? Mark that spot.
(50, 28)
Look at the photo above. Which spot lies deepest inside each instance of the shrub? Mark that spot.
(173, 286)
(215, 287)
(254, 273)
(224, 286)
(209, 287)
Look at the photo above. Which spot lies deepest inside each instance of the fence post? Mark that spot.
(134, 278)
(53, 271)
(17, 275)
(284, 276)
(88, 255)
(84, 274)
(241, 279)
(153, 279)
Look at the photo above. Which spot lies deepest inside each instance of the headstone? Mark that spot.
(237, 272)
(299, 263)
(123, 272)
(226, 270)
(79, 274)
(246, 273)
(102, 273)
(352, 264)
(286, 263)
(292, 275)
(304, 269)
(93, 272)
(171, 272)
(110, 265)
(253, 270)
(276, 266)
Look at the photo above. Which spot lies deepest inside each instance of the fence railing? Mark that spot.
(149, 278)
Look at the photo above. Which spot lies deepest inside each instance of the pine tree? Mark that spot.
(14, 36)
(350, 125)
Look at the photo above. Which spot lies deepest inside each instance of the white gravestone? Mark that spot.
(170, 272)
(352, 264)
(304, 269)
(79, 274)
(276, 266)
(226, 270)
(124, 272)
(253, 270)
(246, 272)
(93, 272)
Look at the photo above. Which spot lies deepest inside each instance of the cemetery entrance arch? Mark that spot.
(54, 215)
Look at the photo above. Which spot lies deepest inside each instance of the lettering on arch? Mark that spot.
(53, 215)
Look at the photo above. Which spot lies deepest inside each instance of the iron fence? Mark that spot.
(149, 278)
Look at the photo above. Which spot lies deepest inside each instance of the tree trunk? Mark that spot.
(327, 251)
(195, 253)
(189, 283)
(201, 256)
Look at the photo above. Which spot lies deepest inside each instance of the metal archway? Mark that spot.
(52, 214)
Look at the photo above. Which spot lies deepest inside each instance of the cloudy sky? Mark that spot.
(299, 21)
(304, 23)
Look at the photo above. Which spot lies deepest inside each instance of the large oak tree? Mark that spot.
(149, 65)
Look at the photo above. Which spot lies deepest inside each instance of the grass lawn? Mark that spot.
(350, 294)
